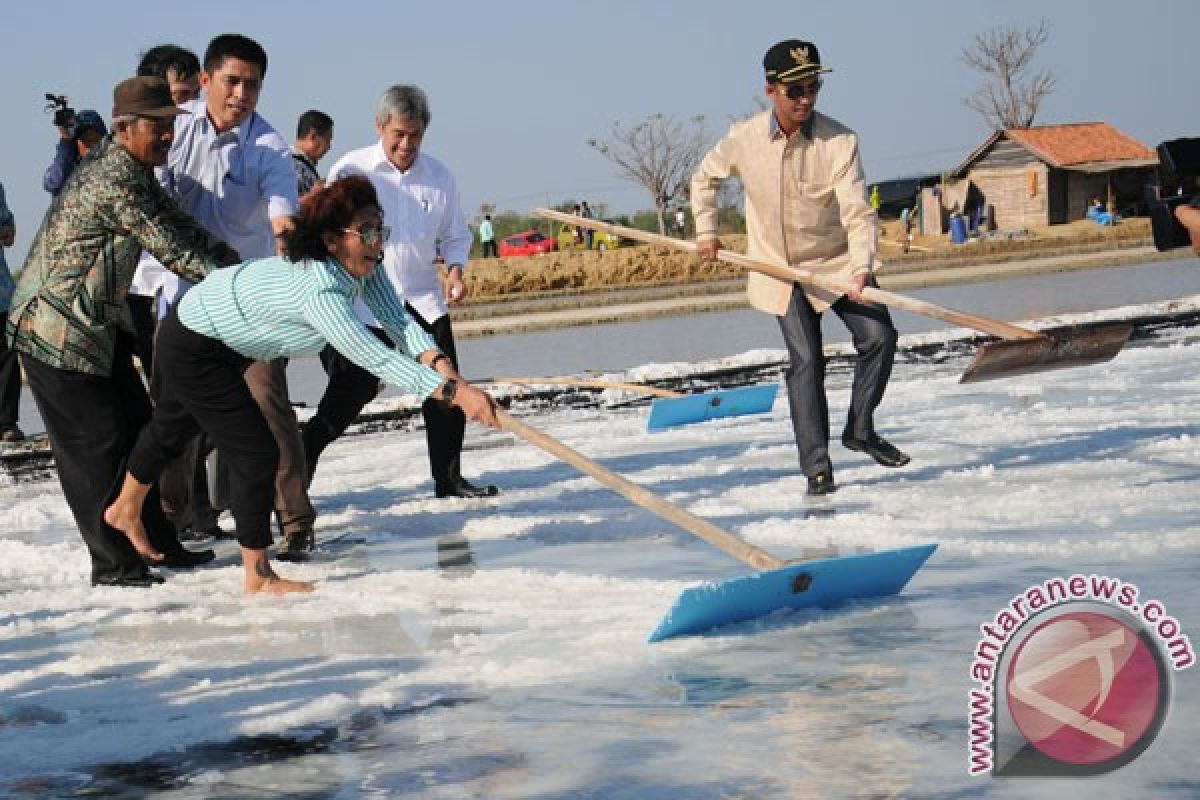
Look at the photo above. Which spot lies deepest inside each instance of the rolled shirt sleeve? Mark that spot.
(278, 183)
(454, 235)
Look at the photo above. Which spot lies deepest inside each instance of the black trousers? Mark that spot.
(201, 388)
(10, 379)
(490, 250)
(141, 308)
(92, 422)
(874, 338)
(351, 387)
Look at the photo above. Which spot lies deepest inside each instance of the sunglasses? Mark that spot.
(797, 90)
(371, 236)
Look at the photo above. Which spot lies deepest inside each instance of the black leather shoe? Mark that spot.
(821, 484)
(464, 488)
(130, 581)
(297, 546)
(185, 559)
(884, 452)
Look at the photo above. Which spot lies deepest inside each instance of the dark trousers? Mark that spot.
(201, 388)
(351, 387)
(490, 250)
(92, 422)
(10, 379)
(874, 339)
(144, 322)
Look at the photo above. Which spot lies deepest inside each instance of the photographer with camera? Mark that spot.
(78, 133)
(1175, 201)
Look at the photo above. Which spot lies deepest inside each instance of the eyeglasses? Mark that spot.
(798, 90)
(371, 236)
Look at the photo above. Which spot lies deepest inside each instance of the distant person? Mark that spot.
(314, 138)
(876, 201)
(263, 309)
(680, 222)
(487, 238)
(906, 224)
(577, 231)
(421, 195)
(178, 66)
(585, 211)
(66, 322)
(806, 205)
(10, 371)
(75, 140)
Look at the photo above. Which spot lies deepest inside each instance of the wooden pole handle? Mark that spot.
(738, 548)
(995, 327)
(589, 384)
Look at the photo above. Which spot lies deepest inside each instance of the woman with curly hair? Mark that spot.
(271, 308)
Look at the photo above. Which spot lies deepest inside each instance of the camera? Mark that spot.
(1178, 184)
(64, 115)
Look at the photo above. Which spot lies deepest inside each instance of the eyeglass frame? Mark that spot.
(384, 232)
(794, 91)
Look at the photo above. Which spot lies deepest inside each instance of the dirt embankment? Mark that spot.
(492, 279)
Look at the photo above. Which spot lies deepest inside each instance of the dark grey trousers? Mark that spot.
(874, 338)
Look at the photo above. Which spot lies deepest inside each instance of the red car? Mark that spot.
(527, 243)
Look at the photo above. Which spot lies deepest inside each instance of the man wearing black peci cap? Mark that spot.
(806, 205)
(71, 327)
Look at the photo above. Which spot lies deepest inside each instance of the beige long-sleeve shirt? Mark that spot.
(806, 203)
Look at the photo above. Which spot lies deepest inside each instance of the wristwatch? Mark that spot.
(448, 390)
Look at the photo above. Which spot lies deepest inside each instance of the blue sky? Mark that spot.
(518, 88)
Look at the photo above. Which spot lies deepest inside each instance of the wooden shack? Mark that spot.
(1049, 174)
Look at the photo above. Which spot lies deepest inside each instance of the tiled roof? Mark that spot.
(1071, 146)
(1067, 145)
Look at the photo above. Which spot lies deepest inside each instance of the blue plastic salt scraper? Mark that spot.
(671, 409)
(779, 584)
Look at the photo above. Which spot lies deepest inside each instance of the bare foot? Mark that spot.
(261, 579)
(130, 524)
(278, 586)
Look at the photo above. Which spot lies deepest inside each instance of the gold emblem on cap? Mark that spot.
(800, 56)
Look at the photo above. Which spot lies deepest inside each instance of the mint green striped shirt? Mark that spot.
(272, 308)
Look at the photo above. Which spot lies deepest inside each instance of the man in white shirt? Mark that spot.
(233, 172)
(420, 202)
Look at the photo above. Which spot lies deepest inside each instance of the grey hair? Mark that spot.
(403, 101)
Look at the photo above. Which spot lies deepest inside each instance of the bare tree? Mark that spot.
(659, 153)
(1011, 99)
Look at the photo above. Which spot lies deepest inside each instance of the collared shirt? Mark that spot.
(306, 172)
(422, 208)
(272, 308)
(486, 234)
(6, 281)
(234, 183)
(806, 203)
(70, 299)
